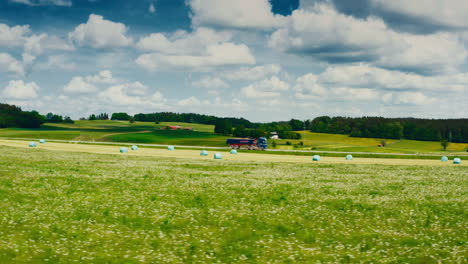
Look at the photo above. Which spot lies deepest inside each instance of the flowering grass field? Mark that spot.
(75, 207)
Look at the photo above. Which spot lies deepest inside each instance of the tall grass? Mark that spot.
(64, 207)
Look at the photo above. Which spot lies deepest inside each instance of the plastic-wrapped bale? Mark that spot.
(203, 153)
(218, 156)
(123, 150)
(316, 158)
(233, 151)
(456, 161)
(32, 144)
(134, 147)
(444, 159)
(349, 157)
(170, 147)
(42, 141)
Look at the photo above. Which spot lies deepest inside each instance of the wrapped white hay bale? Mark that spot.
(203, 153)
(123, 150)
(134, 147)
(42, 141)
(316, 158)
(170, 147)
(218, 156)
(349, 157)
(444, 159)
(32, 144)
(456, 161)
(233, 151)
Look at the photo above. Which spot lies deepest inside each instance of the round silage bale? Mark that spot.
(134, 147)
(456, 161)
(170, 147)
(217, 156)
(123, 150)
(42, 141)
(316, 158)
(203, 153)
(444, 159)
(233, 151)
(349, 157)
(32, 144)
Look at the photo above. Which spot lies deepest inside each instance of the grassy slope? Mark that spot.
(91, 208)
(123, 131)
(187, 138)
(333, 142)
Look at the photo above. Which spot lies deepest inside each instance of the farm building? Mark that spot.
(178, 128)
(274, 135)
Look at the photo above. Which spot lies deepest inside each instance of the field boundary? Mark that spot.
(269, 151)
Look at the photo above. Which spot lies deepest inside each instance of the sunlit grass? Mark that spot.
(66, 207)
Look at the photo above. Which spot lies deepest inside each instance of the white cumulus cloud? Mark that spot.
(323, 33)
(13, 36)
(66, 3)
(89, 84)
(252, 73)
(408, 98)
(215, 55)
(18, 89)
(78, 84)
(449, 13)
(240, 14)
(98, 32)
(131, 94)
(11, 65)
(210, 83)
(151, 8)
(200, 50)
(268, 88)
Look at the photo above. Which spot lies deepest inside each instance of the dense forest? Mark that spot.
(191, 118)
(453, 130)
(13, 116)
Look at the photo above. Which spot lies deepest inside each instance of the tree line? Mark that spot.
(13, 116)
(452, 130)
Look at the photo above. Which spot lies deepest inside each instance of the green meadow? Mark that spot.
(202, 135)
(72, 207)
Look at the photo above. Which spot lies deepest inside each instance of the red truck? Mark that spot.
(237, 143)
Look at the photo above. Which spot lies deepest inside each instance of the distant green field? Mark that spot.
(334, 142)
(74, 207)
(202, 135)
(127, 126)
(180, 137)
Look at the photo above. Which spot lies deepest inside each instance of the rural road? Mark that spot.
(202, 147)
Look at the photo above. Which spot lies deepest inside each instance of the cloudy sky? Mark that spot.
(258, 59)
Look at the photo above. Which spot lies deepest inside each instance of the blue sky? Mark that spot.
(258, 59)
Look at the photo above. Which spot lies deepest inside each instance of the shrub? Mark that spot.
(444, 143)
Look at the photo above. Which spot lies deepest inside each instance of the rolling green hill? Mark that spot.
(202, 135)
(335, 142)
